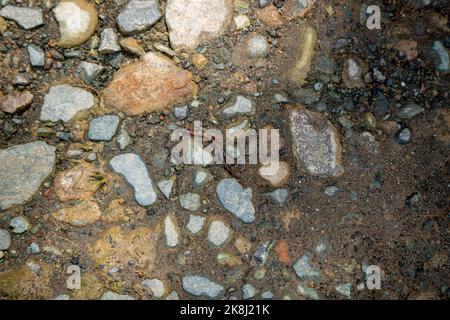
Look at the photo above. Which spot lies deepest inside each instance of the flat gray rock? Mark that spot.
(138, 16)
(36, 55)
(133, 169)
(5, 239)
(89, 71)
(218, 233)
(19, 225)
(24, 168)
(410, 111)
(241, 106)
(64, 101)
(27, 18)
(201, 286)
(236, 200)
(190, 201)
(166, 187)
(304, 270)
(109, 42)
(278, 196)
(103, 128)
(195, 223)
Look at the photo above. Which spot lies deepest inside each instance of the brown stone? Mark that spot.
(270, 16)
(408, 48)
(199, 61)
(132, 46)
(294, 8)
(79, 215)
(242, 244)
(16, 101)
(131, 250)
(154, 83)
(76, 183)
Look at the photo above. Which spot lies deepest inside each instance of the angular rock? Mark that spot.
(135, 172)
(171, 231)
(36, 55)
(307, 292)
(77, 21)
(24, 168)
(241, 21)
(27, 18)
(173, 296)
(5, 239)
(410, 111)
(181, 113)
(123, 140)
(200, 177)
(278, 196)
(103, 128)
(79, 215)
(248, 291)
(236, 200)
(155, 286)
(300, 68)
(154, 83)
(315, 142)
(109, 295)
(166, 187)
(77, 183)
(90, 71)
(16, 101)
(297, 8)
(109, 42)
(304, 270)
(19, 225)
(195, 223)
(22, 79)
(353, 71)
(131, 45)
(190, 201)
(63, 102)
(270, 16)
(193, 21)
(443, 58)
(138, 16)
(241, 106)
(218, 233)
(201, 286)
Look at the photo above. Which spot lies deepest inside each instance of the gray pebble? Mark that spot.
(103, 128)
(138, 16)
(5, 239)
(19, 225)
(36, 55)
(201, 286)
(236, 200)
(27, 18)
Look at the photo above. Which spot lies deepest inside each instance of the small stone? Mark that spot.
(353, 72)
(132, 46)
(325, 65)
(257, 46)
(5, 239)
(277, 179)
(192, 21)
(36, 55)
(123, 140)
(155, 83)
(263, 3)
(173, 296)
(195, 223)
(407, 49)
(262, 253)
(62, 297)
(404, 136)
(236, 200)
(181, 113)
(410, 111)
(138, 16)
(155, 286)
(241, 106)
(79, 215)
(302, 63)
(109, 42)
(171, 231)
(218, 233)
(135, 172)
(297, 8)
(199, 61)
(200, 177)
(90, 71)
(228, 260)
(316, 142)
(278, 196)
(242, 244)
(19, 225)
(109, 295)
(304, 270)
(22, 79)
(166, 187)
(270, 16)
(344, 289)
(369, 120)
(190, 201)
(443, 61)
(33, 248)
(103, 128)
(267, 295)
(378, 75)
(164, 49)
(64, 101)
(76, 183)
(201, 286)
(248, 291)
(24, 168)
(77, 21)
(331, 191)
(16, 101)
(323, 248)
(1, 255)
(241, 21)
(27, 18)
(305, 96)
(309, 293)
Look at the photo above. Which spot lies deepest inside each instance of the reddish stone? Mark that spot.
(16, 101)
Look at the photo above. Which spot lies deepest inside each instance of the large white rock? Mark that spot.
(193, 21)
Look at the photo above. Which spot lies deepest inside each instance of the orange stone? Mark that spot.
(282, 251)
(154, 83)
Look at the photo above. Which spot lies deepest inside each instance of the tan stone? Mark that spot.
(131, 250)
(16, 101)
(228, 260)
(76, 183)
(242, 244)
(77, 21)
(279, 178)
(408, 48)
(199, 61)
(270, 16)
(118, 211)
(79, 215)
(131, 45)
(302, 63)
(292, 9)
(154, 83)
(3, 25)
